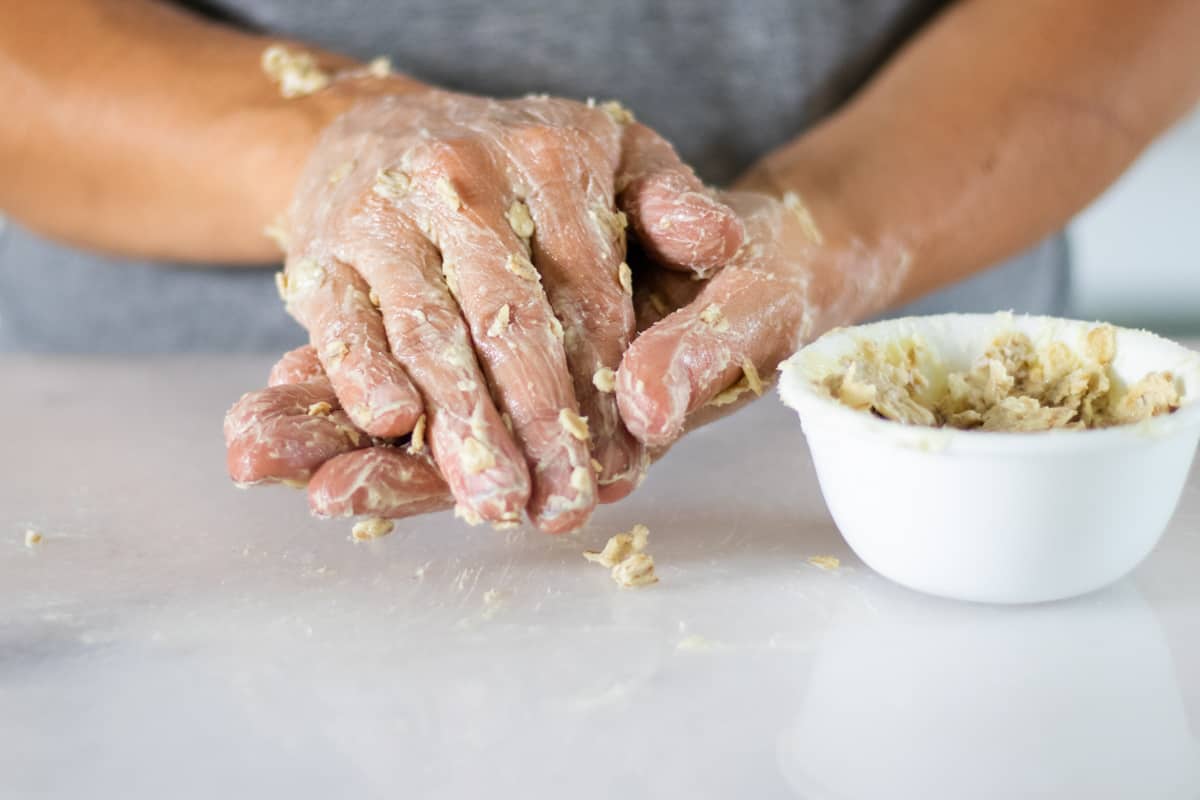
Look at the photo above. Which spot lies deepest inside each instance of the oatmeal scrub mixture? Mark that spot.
(625, 554)
(1011, 387)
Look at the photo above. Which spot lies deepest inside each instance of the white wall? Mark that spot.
(1137, 248)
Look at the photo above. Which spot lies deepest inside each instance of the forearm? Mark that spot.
(988, 132)
(136, 128)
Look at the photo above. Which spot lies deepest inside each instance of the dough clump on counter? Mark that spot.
(373, 528)
(827, 563)
(1012, 387)
(625, 554)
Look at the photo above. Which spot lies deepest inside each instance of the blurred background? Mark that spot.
(1136, 250)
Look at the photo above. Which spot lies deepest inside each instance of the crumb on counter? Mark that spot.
(696, 643)
(625, 554)
(373, 528)
(619, 547)
(827, 563)
(493, 601)
(32, 538)
(637, 570)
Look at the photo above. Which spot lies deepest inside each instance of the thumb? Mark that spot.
(679, 222)
(720, 348)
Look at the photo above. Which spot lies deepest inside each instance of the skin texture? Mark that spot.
(462, 259)
(777, 289)
(272, 432)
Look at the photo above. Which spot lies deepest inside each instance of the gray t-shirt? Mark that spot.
(725, 81)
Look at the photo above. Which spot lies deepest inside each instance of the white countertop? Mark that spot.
(173, 637)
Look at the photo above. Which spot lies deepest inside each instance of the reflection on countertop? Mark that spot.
(174, 637)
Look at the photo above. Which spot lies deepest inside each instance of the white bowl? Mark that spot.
(996, 517)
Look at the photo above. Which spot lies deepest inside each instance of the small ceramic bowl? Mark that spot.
(996, 517)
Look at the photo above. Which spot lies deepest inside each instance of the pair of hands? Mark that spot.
(460, 264)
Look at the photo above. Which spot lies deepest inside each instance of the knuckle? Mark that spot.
(458, 156)
(543, 138)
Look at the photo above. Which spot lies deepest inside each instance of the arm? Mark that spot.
(992, 128)
(137, 128)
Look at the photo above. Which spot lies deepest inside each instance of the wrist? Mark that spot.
(791, 180)
(288, 130)
(857, 269)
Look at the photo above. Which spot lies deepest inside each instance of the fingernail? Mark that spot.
(621, 461)
(391, 410)
(653, 410)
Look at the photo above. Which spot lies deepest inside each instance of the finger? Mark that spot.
(482, 463)
(296, 366)
(578, 247)
(677, 220)
(332, 301)
(714, 350)
(657, 292)
(285, 432)
(460, 193)
(380, 482)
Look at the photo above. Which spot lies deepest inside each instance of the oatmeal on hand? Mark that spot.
(1013, 386)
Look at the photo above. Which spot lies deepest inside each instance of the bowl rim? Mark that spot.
(799, 392)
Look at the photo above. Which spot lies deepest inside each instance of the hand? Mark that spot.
(785, 285)
(295, 432)
(791, 281)
(462, 259)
